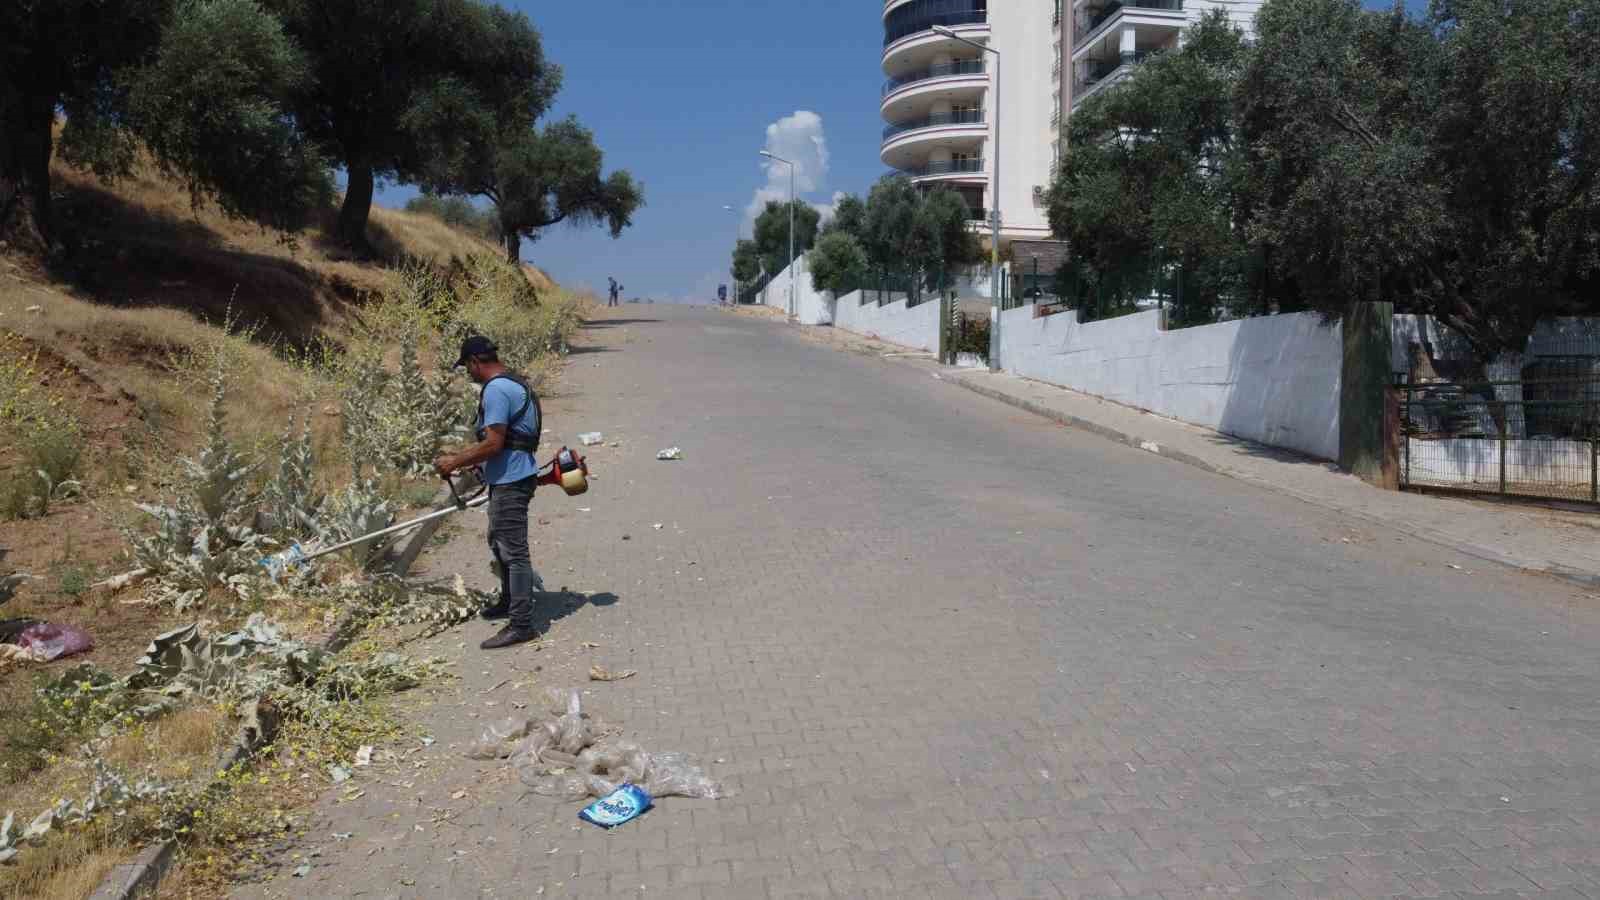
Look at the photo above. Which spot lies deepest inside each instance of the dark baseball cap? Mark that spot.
(476, 345)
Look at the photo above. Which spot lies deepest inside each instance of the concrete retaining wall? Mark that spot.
(1273, 379)
(916, 327)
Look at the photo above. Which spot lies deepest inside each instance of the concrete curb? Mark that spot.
(1121, 437)
(402, 559)
(143, 874)
(1486, 554)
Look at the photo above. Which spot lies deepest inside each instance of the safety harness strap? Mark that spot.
(516, 440)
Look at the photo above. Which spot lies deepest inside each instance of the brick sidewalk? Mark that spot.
(1528, 536)
(1539, 538)
(937, 646)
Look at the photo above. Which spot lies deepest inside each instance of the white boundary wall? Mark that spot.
(1474, 463)
(1273, 379)
(916, 327)
(812, 307)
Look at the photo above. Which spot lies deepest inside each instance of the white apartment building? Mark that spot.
(938, 104)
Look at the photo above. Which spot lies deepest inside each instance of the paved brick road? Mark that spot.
(941, 648)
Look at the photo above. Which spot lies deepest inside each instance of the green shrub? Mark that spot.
(47, 471)
(74, 581)
(42, 437)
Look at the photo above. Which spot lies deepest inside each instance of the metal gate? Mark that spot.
(1538, 437)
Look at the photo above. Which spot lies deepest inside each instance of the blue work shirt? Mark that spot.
(502, 397)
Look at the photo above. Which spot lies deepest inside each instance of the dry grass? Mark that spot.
(146, 226)
(125, 323)
(178, 746)
(131, 374)
(69, 864)
(74, 866)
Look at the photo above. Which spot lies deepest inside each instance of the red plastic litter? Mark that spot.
(55, 641)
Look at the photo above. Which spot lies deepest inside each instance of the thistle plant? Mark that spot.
(110, 791)
(358, 509)
(218, 479)
(397, 422)
(255, 663)
(289, 502)
(200, 537)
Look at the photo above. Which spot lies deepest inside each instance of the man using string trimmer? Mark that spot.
(508, 425)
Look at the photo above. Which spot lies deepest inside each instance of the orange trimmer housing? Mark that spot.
(567, 470)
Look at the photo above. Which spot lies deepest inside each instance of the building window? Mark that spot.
(922, 15)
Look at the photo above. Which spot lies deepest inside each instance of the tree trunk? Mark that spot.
(513, 244)
(357, 206)
(25, 145)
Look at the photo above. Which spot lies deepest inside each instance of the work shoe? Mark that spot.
(500, 610)
(510, 636)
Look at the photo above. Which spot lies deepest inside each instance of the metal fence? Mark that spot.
(1535, 437)
(885, 286)
(750, 291)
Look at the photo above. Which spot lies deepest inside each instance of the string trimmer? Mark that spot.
(566, 469)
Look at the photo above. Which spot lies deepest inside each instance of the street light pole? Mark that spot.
(994, 204)
(775, 157)
(738, 235)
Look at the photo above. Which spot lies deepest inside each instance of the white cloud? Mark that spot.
(827, 209)
(799, 139)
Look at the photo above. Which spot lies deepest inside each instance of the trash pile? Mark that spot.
(567, 755)
(30, 640)
(33, 641)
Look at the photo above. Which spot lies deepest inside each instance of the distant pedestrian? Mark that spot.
(615, 290)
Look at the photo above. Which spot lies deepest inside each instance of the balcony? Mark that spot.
(949, 167)
(1104, 72)
(1088, 25)
(921, 15)
(936, 120)
(959, 67)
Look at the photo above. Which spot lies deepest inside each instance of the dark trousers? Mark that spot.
(508, 542)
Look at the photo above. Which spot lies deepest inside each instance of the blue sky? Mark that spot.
(681, 93)
(684, 94)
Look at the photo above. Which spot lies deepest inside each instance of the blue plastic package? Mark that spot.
(621, 805)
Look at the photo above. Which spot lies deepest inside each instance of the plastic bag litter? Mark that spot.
(564, 756)
(499, 739)
(688, 782)
(562, 787)
(670, 453)
(672, 775)
(51, 641)
(590, 438)
(572, 729)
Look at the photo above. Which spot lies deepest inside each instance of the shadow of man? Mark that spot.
(550, 607)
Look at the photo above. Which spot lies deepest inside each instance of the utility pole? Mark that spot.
(994, 203)
(776, 158)
(738, 235)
